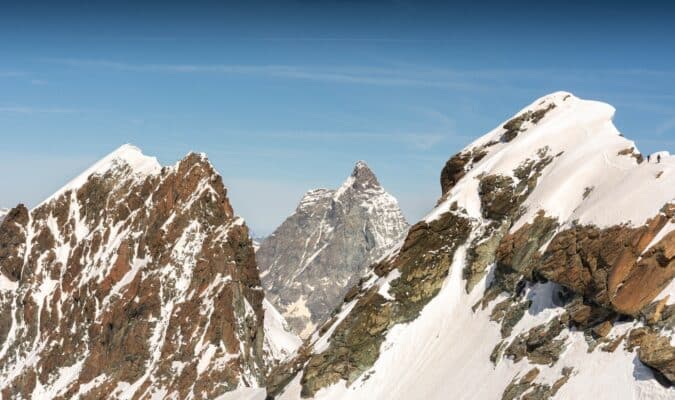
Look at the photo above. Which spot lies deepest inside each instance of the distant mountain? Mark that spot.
(3, 213)
(544, 271)
(133, 281)
(321, 250)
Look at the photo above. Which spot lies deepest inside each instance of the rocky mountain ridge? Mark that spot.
(549, 257)
(320, 251)
(132, 281)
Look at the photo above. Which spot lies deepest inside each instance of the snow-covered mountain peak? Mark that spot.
(126, 156)
(593, 174)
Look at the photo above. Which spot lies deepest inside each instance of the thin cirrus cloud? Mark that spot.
(347, 75)
(404, 75)
(37, 110)
(417, 140)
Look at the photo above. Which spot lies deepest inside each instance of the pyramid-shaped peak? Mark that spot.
(364, 175)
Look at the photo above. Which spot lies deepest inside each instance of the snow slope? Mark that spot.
(128, 154)
(279, 340)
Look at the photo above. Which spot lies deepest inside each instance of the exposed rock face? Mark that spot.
(319, 252)
(540, 344)
(531, 390)
(545, 245)
(655, 351)
(133, 281)
(514, 126)
(610, 266)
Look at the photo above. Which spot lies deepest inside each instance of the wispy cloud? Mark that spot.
(416, 140)
(395, 74)
(37, 110)
(349, 75)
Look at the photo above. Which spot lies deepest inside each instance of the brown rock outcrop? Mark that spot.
(654, 350)
(608, 266)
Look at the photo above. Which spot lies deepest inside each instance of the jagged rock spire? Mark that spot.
(363, 175)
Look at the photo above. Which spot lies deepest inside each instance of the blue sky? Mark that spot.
(287, 97)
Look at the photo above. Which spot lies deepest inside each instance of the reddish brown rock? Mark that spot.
(605, 266)
(453, 171)
(148, 280)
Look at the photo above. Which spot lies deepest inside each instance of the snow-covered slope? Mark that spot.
(322, 249)
(544, 271)
(280, 342)
(3, 213)
(132, 281)
(127, 155)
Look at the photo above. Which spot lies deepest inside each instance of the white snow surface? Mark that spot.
(140, 164)
(280, 342)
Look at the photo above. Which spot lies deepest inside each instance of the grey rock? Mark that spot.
(319, 252)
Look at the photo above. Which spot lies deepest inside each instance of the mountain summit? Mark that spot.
(364, 176)
(544, 271)
(319, 252)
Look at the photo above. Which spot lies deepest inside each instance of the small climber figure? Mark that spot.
(648, 157)
(658, 158)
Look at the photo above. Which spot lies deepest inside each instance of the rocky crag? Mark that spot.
(321, 250)
(544, 271)
(134, 281)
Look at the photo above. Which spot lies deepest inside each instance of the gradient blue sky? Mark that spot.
(286, 97)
